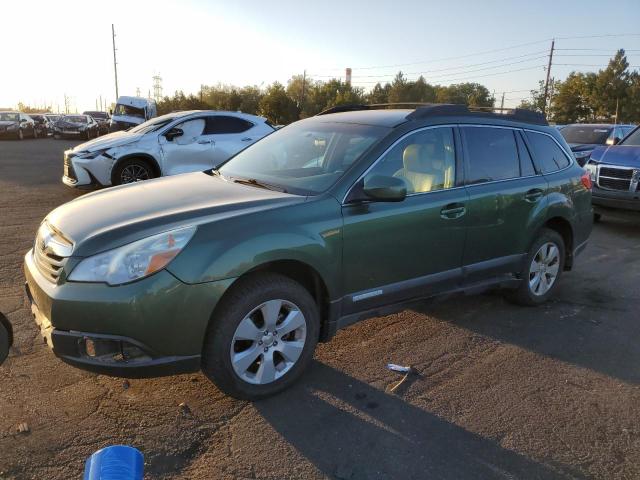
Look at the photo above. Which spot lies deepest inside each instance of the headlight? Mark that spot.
(90, 155)
(592, 168)
(133, 261)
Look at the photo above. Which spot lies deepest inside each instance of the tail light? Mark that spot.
(586, 180)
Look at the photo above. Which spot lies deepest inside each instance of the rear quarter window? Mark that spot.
(549, 156)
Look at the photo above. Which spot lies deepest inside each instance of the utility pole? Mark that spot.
(546, 83)
(304, 85)
(617, 103)
(115, 63)
(502, 102)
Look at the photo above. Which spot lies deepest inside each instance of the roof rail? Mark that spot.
(516, 114)
(426, 110)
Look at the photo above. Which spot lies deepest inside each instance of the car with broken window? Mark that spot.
(241, 270)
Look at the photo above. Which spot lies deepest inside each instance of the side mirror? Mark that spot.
(23, 120)
(384, 189)
(173, 133)
(613, 141)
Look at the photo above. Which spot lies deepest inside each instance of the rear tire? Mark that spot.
(132, 170)
(277, 359)
(542, 271)
(5, 342)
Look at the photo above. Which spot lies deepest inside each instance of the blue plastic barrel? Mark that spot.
(115, 463)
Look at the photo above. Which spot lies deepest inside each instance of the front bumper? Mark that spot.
(85, 173)
(152, 327)
(621, 200)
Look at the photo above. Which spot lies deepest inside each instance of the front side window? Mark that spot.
(9, 117)
(304, 158)
(491, 154)
(191, 131)
(547, 152)
(425, 160)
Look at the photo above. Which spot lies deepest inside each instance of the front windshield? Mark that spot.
(633, 139)
(76, 118)
(154, 124)
(129, 111)
(9, 117)
(305, 158)
(586, 134)
(99, 115)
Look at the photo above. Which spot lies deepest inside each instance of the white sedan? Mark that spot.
(175, 143)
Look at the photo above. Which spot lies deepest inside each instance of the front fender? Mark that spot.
(309, 232)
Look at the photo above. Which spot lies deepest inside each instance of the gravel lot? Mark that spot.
(502, 392)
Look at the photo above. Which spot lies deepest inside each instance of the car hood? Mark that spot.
(115, 139)
(6, 123)
(581, 147)
(116, 216)
(621, 155)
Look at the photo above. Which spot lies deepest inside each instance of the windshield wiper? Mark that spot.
(256, 183)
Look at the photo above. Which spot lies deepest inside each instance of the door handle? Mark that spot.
(204, 142)
(453, 211)
(246, 139)
(533, 195)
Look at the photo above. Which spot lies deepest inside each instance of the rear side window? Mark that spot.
(221, 124)
(547, 152)
(491, 154)
(526, 164)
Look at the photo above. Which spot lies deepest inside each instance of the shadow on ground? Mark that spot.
(350, 430)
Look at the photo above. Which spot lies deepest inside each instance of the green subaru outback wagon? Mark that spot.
(240, 271)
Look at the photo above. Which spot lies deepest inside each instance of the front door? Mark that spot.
(506, 200)
(413, 248)
(190, 152)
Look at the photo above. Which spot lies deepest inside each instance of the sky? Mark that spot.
(53, 49)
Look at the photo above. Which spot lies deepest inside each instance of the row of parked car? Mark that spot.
(611, 155)
(20, 125)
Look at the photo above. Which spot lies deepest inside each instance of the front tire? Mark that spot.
(20, 135)
(262, 337)
(543, 269)
(131, 171)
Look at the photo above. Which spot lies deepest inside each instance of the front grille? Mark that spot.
(614, 183)
(624, 173)
(48, 264)
(613, 178)
(50, 252)
(68, 169)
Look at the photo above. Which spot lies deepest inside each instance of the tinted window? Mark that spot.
(426, 161)
(547, 152)
(222, 124)
(492, 154)
(526, 163)
(585, 134)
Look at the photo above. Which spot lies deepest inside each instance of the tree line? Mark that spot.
(304, 97)
(593, 96)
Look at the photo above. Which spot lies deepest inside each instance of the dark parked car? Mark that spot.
(615, 171)
(43, 127)
(76, 126)
(583, 138)
(102, 119)
(241, 270)
(17, 125)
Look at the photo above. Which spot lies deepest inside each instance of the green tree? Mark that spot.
(611, 85)
(472, 94)
(277, 106)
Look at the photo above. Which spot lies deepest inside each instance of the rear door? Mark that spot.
(507, 198)
(230, 135)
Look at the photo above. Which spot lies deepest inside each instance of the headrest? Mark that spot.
(411, 157)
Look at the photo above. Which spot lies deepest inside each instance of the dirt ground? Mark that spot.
(502, 391)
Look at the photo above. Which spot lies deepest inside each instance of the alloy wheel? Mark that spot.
(134, 173)
(544, 269)
(268, 342)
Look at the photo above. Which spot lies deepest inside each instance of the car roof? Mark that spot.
(600, 125)
(381, 118)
